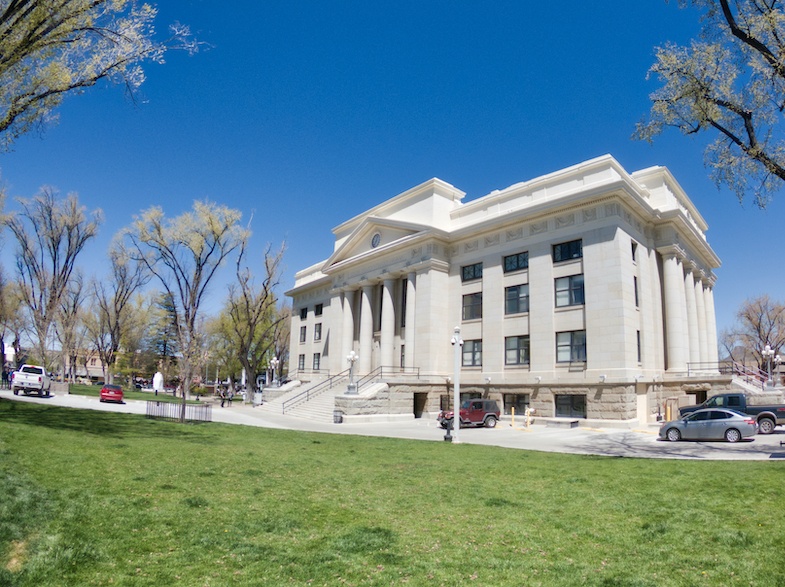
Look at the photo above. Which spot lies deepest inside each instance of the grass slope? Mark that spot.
(101, 498)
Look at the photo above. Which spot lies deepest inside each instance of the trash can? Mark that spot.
(337, 417)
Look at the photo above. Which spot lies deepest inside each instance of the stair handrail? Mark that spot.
(747, 373)
(379, 373)
(314, 390)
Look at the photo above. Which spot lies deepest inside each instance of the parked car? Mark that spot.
(767, 416)
(710, 424)
(474, 412)
(112, 393)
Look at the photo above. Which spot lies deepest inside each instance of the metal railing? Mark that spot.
(751, 375)
(312, 391)
(382, 373)
(174, 410)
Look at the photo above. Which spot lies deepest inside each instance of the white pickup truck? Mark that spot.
(31, 379)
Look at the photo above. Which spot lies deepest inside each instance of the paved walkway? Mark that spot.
(595, 441)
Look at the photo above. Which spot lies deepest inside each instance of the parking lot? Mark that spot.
(641, 442)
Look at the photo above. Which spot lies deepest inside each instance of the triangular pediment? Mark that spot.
(374, 236)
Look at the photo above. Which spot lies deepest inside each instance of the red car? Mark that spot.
(112, 393)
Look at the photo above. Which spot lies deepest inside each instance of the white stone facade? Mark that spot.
(585, 278)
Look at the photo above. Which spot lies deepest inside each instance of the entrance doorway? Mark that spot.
(420, 403)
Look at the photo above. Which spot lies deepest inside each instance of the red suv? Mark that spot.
(474, 412)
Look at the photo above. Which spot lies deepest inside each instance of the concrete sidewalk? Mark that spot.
(642, 443)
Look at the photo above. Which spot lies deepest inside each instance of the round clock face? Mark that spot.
(375, 240)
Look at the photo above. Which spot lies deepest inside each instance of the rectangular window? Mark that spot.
(472, 353)
(634, 251)
(472, 306)
(301, 362)
(317, 331)
(303, 313)
(516, 262)
(571, 347)
(318, 309)
(404, 286)
(519, 401)
(638, 338)
(569, 291)
(471, 272)
(317, 361)
(635, 285)
(516, 299)
(567, 251)
(516, 350)
(570, 406)
(302, 333)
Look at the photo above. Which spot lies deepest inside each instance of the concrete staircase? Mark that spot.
(318, 407)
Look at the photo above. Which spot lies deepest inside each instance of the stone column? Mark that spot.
(711, 324)
(692, 317)
(366, 331)
(703, 338)
(675, 313)
(387, 343)
(348, 326)
(409, 328)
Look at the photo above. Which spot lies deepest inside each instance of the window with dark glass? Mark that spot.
(570, 406)
(516, 262)
(516, 299)
(634, 251)
(635, 285)
(317, 331)
(471, 272)
(317, 361)
(472, 306)
(567, 251)
(303, 313)
(472, 353)
(638, 338)
(569, 291)
(302, 334)
(516, 350)
(571, 346)
(318, 309)
(301, 362)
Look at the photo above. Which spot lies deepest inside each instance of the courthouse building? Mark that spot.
(584, 293)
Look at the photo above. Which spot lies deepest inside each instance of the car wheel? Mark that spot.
(16, 391)
(490, 422)
(732, 435)
(673, 435)
(766, 426)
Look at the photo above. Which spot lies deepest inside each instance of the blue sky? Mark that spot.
(305, 114)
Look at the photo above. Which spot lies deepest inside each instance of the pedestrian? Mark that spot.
(222, 393)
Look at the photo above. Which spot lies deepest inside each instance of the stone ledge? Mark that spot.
(562, 423)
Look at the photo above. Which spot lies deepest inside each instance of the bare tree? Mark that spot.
(67, 326)
(112, 303)
(252, 312)
(51, 48)
(183, 254)
(50, 233)
(760, 322)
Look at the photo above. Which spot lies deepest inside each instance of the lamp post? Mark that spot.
(768, 353)
(274, 362)
(352, 358)
(457, 344)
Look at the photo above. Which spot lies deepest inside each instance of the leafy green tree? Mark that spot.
(50, 48)
(729, 83)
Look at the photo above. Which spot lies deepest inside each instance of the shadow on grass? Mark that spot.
(106, 424)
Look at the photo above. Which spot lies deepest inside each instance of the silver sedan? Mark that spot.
(710, 424)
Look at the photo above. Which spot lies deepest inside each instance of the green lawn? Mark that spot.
(100, 498)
